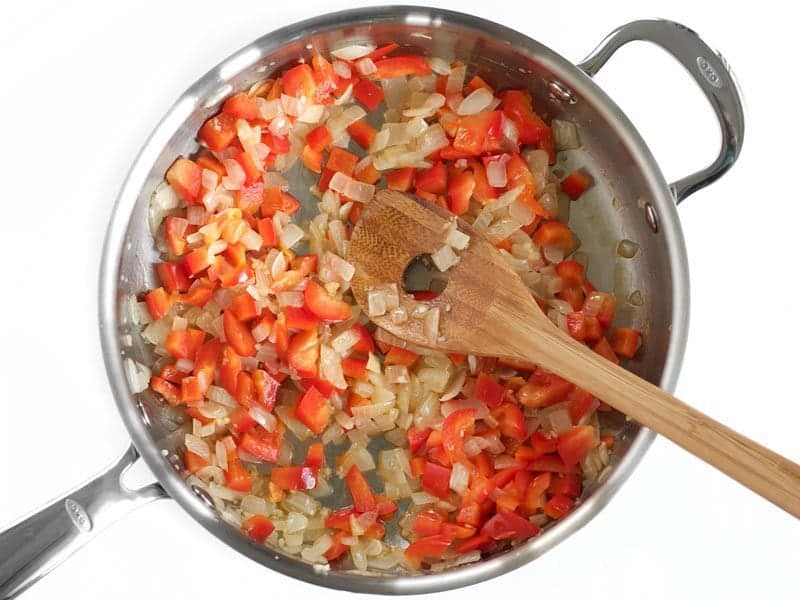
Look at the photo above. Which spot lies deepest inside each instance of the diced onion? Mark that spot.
(353, 51)
(476, 102)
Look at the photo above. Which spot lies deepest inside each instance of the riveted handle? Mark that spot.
(32, 547)
(711, 73)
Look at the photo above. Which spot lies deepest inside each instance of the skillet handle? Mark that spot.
(707, 67)
(32, 547)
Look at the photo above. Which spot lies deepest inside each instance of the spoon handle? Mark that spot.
(765, 472)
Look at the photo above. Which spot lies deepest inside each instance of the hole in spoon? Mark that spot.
(422, 279)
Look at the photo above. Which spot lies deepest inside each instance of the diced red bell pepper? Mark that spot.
(325, 78)
(262, 444)
(299, 81)
(460, 187)
(571, 272)
(355, 368)
(197, 261)
(489, 391)
(580, 402)
(218, 132)
(602, 305)
(241, 421)
(266, 229)
(319, 138)
(417, 436)
(338, 547)
(533, 498)
(575, 184)
(543, 389)
(293, 478)
(173, 277)
(369, 94)
(300, 319)
(185, 178)
(517, 106)
(237, 477)
(365, 342)
(237, 334)
(433, 179)
(229, 368)
(277, 144)
(303, 352)
(428, 522)
(362, 133)
(206, 161)
(400, 179)
(554, 233)
(574, 444)
(477, 82)
(258, 528)
(245, 390)
(341, 160)
(476, 542)
(367, 173)
(193, 462)
(315, 456)
(382, 51)
(479, 134)
(558, 506)
(266, 388)
(184, 343)
(312, 159)
(511, 421)
(483, 192)
(322, 305)
(241, 106)
(505, 525)
(456, 426)
(175, 230)
(604, 349)
(360, 491)
(340, 519)
(429, 547)
(436, 479)
(400, 66)
(400, 356)
(276, 200)
(313, 410)
(168, 391)
(625, 341)
(566, 484)
(244, 307)
(158, 302)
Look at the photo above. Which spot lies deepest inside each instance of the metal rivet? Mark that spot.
(204, 496)
(651, 216)
(562, 92)
(143, 413)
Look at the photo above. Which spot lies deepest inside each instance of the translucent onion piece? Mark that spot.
(476, 102)
(353, 51)
(565, 135)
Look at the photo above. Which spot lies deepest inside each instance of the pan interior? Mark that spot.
(613, 210)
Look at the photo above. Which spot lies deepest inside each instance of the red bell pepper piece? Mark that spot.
(362, 133)
(360, 491)
(302, 351)
(554, 233)
(489, 391)
(241, 106)
(456, 426)
(218, 132)
(293, 478)
(369, 94)
(575, 184)
(313, 410)
(625, 341)
(258, 528)
(185, 177)
(400, 66)
(543, 389)
(322, 305)
(237, 334)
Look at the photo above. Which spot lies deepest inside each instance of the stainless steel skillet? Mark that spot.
(631, 200)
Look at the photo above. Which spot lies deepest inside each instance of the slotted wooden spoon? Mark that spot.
(487, 310)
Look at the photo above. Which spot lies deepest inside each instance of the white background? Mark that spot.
(83, 86)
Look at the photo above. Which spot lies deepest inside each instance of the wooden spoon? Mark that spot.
(487, 310)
